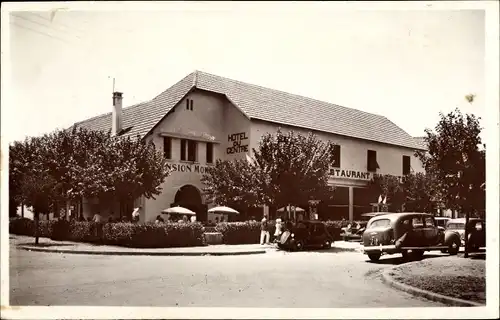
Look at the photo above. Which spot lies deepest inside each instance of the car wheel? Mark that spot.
(327, 244)
(299, 245)
(418, 254)
(405, 254)
(374, 256)
(454, 246)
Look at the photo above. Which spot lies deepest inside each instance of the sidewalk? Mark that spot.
(48, 245)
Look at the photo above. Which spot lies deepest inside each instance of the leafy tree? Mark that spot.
(418, 192)
(232, 183)
(286, 169)
(457, 162)
(390, 187)
(293, 168)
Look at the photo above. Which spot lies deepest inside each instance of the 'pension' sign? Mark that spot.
(182, 167)
(237, 140)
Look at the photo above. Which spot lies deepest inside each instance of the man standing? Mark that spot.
(264, 231)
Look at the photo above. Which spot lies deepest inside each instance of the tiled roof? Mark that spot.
(420, 141)
(263, 104)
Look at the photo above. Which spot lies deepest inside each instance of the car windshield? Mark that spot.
(380, 223)
(455, 226)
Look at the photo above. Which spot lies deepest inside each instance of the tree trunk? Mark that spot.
(22, 210)
(466, 254)
(37, 225)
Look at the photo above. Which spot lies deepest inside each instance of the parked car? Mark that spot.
(476, 229)
(354, 233)
(408, 233)
(305, 234)
(441, 222)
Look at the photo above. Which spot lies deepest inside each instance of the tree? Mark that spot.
(456, 161)
(418, 193)
(232, 183)
(286, 169)
(390, 187)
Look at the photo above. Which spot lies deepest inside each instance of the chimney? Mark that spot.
(116, 119)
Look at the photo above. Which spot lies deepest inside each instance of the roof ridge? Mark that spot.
(288, 93)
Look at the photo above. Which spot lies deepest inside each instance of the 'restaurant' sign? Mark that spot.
(350, 174)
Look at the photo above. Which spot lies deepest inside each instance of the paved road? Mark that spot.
(278, 279)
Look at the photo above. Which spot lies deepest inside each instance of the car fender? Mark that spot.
(450, 235)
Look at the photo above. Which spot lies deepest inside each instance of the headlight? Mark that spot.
(293, 235)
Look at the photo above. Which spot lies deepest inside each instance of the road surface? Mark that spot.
(277, 279)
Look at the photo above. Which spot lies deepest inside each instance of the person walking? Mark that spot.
(264, 231)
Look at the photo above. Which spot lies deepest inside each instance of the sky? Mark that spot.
(407, 65)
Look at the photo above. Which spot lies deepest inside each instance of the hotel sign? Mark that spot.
(186, 167)
(237, 139)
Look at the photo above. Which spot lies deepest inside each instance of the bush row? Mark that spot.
(249, 232)
(141, 235)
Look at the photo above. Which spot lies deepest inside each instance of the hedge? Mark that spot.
(143, 235)
(249, 232)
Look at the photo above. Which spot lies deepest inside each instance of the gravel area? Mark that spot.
(455, 277)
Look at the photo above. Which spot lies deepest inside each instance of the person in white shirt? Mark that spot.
(278, 231)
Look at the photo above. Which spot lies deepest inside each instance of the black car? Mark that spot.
(305, 234)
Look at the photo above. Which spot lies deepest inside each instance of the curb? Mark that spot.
(388, 279)
(141, 253)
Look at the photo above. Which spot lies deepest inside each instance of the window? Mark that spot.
(429, 222)
(167, 147)
(189, 104)
(406, 165)
(372, 164)
(183, 149)
(380, 223)
(210, 152)
(335, 158)
(417, 222)
(191, 150)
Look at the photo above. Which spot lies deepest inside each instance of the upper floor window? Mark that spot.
(183, 149)
(210, 152)
(167, 147)
(372, 164)
(189, 104)
(335, 156)
(189, 150)
(406, 165)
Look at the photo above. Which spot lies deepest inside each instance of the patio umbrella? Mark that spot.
(179, 210)
(222, 209)
(297, 209)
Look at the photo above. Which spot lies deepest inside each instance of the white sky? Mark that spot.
(405, 65)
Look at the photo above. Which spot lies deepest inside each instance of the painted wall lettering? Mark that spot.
(350, 174)
(181, 167)
(237, 143)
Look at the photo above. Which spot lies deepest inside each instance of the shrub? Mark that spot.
(22, 226)
(83, 231)
(152, 235)
(239, 232)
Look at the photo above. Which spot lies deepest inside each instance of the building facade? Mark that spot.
(205, 117)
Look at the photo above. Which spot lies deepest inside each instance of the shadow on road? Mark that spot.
(332, 250)
(45, 245)
(398, 259)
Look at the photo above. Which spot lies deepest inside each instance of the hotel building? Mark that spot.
(205, 117)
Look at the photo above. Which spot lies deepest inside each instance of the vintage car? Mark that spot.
(441, 222)
(305, 234)
(408, 233)
(476, 229)
(355, 233)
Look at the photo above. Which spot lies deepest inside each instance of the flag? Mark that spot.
(379, 198)
(385, 200)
